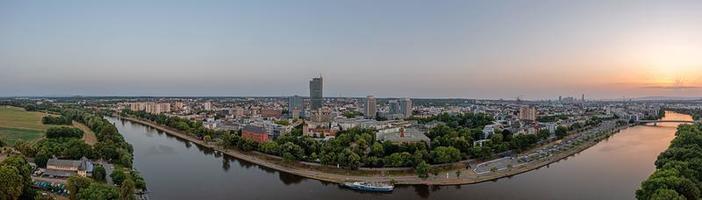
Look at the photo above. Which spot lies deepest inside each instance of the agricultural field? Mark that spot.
(17, 124)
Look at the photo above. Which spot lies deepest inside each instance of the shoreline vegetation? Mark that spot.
(65, 140)
(445, 174)
(678, 174)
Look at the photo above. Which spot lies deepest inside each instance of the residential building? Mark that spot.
(271, 113)
(178, 105)
(207, 106)
(527, 113)
(255, 133)
(370, 107)
(406, 107)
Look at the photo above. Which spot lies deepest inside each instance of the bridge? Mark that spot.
(655, 122)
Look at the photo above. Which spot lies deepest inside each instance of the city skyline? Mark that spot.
(456, 49)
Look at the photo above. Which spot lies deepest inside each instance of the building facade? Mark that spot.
(255, 133)
(295, 106)
(370, 107)
(316, 96)
(527, 113)
(406, 107)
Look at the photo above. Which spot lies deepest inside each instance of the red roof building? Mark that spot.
(255, 133)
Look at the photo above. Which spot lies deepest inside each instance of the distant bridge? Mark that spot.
(662, 121)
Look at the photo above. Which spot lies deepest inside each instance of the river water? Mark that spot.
(178, 169)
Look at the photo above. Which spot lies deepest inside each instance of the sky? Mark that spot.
(391, 48)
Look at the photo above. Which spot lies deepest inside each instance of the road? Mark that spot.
(545, 151)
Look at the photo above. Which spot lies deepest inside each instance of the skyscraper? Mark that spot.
(369, 108)
(316, 85)
(406, 107)
(295, 106)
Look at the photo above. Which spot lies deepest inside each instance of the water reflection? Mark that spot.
(611, 169)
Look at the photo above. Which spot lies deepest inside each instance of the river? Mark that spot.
(178, 169)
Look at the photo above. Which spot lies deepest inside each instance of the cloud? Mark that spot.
(672, 87)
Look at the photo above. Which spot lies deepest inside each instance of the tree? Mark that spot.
(561, 131)
(398, 160)
(666, 194)
(291, 151)
(269, 147)
(11, 183)
(422, 170)
(445, 155)
(41, 159)
(75, 184)
(377, 149)
(419, 156)
(58, 120)
(77, 149)
(118, 176)
(126, 190)
(63, 131)
(18, 165)
(99, 173)
(98, 191)
(353, 160)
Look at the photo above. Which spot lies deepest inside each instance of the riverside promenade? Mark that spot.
(402, 176)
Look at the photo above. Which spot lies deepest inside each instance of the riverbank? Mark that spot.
(399, 177)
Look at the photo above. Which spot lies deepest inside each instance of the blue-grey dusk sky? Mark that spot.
(476, 49)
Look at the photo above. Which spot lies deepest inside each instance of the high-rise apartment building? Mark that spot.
(406, 107)
(207, 106)
(527, 113)
(370, 107)
(316, 96)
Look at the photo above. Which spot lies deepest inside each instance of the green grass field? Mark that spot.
(17, 124)
(14, 135)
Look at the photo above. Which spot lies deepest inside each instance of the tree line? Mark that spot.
(63, 131)
(65, 142)
(56, 120)
(189, 126)
(451, 141)
(678, 174)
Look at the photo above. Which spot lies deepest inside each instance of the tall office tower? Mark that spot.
(295, 106)
(582, 98)
(316, 97)
(370, 108)
(406, 107)
(560, 98)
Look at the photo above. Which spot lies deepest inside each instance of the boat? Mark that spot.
(369, 187)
